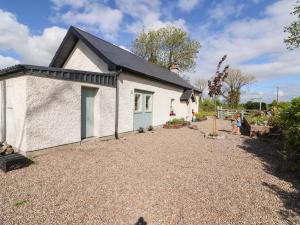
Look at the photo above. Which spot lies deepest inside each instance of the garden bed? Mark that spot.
(255, 129)
(176, 124)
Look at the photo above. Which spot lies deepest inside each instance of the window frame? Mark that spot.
(150, 105)
(140, 103)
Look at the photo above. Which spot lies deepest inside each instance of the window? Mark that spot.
(137, 102)
(148, 103)
(172, 113)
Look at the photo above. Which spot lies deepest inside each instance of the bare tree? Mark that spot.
(234, 82)
(201, 84)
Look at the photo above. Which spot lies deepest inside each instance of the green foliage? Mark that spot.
(208, 105)
(287, 118)
(234, 97)
(177, 121)
(20, 203)
(150, 128)
(141, 130)
(290, 150)
(293, 40)
(255, 105)
(166, 46)
(279, 105)
(257, 118)
(205, 113)
(200, 116)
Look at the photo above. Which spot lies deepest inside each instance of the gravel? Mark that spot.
(166, 176)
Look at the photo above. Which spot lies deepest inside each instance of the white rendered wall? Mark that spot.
(82, 58)
(16, 112)
(54, 112)
(162, 95)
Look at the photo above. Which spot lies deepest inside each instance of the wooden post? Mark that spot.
(214, 121)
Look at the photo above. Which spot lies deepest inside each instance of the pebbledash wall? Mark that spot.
(44, 112)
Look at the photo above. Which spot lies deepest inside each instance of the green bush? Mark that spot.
(208, 105)
(177, 121)
(257, 118)
(290, 149)
(205, 113)
(255, 105)
(200, 116)
(287, 118)
(141, 130)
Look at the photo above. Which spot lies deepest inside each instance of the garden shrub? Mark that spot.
(177, 121)
(202, 115)
(258, 118)
(255, 105)
(287, 118)
(141, 130)
(208, 105)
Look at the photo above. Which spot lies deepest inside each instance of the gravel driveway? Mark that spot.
(165, 176)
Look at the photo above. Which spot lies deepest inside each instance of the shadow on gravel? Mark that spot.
(266, 150)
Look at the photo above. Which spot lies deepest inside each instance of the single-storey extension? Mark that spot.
(91, 88)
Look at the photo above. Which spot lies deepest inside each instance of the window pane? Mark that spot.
(148, 103)
(137, 102)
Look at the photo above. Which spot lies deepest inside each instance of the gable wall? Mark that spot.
(82, 58)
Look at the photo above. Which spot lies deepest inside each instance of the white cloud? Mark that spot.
(90, 15)
(37, 49)
(72, 3)
(147, 15)
(7, 61)
(221, 10)
(187, 5)
(249, 40)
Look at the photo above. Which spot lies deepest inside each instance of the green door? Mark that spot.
(143, 102)
(87, 112)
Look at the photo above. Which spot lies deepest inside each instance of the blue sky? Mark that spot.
(249, 32)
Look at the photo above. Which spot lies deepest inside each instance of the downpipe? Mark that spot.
(3, 111)
(117, 105)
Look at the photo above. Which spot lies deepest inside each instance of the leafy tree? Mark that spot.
(234, 82)
(208, 105)
(279, 104)
(167, 46)
(293, 40)
(255, 105)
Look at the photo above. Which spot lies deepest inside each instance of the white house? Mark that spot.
(91, 88)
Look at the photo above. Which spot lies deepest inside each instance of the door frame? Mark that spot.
(94, 91)
(143, 94)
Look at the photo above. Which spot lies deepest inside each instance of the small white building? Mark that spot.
(92, 88)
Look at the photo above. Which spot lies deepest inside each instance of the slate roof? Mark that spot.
(116, 58)
(106, 79)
